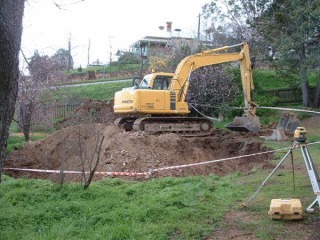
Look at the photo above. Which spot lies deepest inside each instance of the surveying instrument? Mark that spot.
(291, 208)
(300, 141)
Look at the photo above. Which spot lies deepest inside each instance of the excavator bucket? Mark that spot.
(245, 124)
(289, 122)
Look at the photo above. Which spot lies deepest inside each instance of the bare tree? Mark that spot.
(11, 14)
(28, 99)
(44, 71)
(89, 151)
(64, 161)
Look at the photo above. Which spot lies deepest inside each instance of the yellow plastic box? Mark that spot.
(288, 209)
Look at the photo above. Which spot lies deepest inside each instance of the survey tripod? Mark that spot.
(300, 141)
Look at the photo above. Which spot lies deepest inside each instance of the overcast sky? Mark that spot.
(110, 25)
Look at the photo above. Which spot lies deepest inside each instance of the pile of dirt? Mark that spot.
(124, 151)
(90, 111)
(73, 146)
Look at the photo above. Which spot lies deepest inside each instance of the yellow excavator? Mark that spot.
(157, 103)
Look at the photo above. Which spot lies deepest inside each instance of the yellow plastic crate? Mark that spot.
(288, 209)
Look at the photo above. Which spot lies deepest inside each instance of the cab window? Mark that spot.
(145, 81)
(161, 83)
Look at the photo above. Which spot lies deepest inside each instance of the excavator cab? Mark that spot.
(136, 82)
(157, 81)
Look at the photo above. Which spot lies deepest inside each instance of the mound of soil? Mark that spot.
(73, 147)
(90, 111)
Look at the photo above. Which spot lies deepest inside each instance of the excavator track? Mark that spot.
(184, 126)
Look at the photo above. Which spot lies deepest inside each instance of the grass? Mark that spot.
(98, 92)
(16, 142)
(167, 208)
(268, 79)
(108, 68)
(282, 184)
(106, 80)
(182, 208)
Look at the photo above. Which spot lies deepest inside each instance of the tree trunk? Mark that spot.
(93, 170)
(25, 116)
(316, 102)
(304, 77)
(11, 14)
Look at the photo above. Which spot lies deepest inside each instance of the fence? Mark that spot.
(287, 95)
(63, 110)
(45, 116)
(290, 95)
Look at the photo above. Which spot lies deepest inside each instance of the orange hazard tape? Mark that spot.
(133, 174)
(130, 174)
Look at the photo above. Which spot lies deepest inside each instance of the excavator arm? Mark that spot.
(180, 80)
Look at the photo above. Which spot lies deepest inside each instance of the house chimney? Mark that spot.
(178, 30)
(169, 25)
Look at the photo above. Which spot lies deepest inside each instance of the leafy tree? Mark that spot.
(11, 14)
(292, 30)
(62, 60)
(232, 20)
(129, 58)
